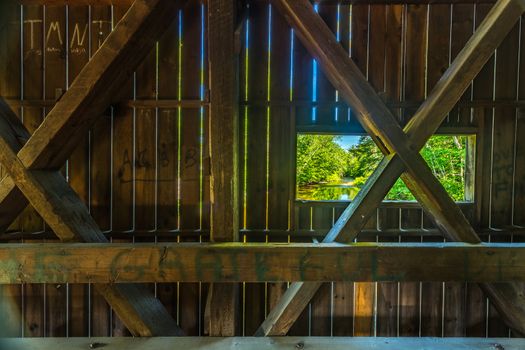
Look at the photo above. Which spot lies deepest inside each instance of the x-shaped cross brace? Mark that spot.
(400, 147)
(33, 162)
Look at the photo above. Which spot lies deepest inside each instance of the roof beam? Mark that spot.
(348, 79)
(118, 263)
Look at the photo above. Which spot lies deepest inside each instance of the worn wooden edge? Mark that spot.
(259, 262)
(312, 343)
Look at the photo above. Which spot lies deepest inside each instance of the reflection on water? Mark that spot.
(328, 191)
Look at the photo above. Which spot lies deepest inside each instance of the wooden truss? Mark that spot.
(33, 163)
(400, 147)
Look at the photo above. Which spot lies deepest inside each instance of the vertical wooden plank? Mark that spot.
(363, 292)
(124, 165)
(191, 145)
(454, 293)
(280, 143)
(145, 149)
(437, 63)
(504, 123)
(410, 292)
(382, 45)
(415, 56)
(146, 145)
(461, 31)
(414, 91)
(321, 304)
(101, 133)
(343, 292)
(394, 54)
(33, 65)
(100, 178)
(223, 147)
(432, 304)
(343, 309)
(124, 155)
(280, 127)
(10, 87)
(519, 163)
(55, 81)
(377, 50)
(192, 122)
(475, 312)
(78, 164)
(387, 292)
(256, 146)
(258, 117)
(168, 147)
(325, 116)
(482, 88)
(359, 41)
(496, 327)
(504, 133)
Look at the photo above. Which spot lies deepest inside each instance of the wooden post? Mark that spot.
(222, 304)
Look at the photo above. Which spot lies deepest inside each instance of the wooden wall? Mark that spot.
(143, 170)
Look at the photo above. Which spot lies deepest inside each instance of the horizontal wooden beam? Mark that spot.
(258, 262)
(277, 343)
(322, 2)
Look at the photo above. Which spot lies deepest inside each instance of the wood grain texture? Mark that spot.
(223, 301)
(55, 200)
(94, 88)
(492, 31)
(277, 343)
(259, 262)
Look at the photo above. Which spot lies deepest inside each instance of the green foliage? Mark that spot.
(321, 159)
(445, 156)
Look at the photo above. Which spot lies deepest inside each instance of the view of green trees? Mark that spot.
(326, 171)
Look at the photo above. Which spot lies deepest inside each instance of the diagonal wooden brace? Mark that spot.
(62, 209)
(469, 62)
(90, 94)
(55, 139)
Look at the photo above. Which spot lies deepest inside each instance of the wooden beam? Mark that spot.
(259, 262)
(223, 302)
(489, 35)
(90, 93)
(374, 115)
(276, 343)
(48, 191)
(65, 213)
(98, 83)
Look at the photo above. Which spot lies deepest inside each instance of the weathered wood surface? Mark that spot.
(223, 298)
(320, 343)
(47, 190)
(259, 262)
(375, 118)
(92, 91)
